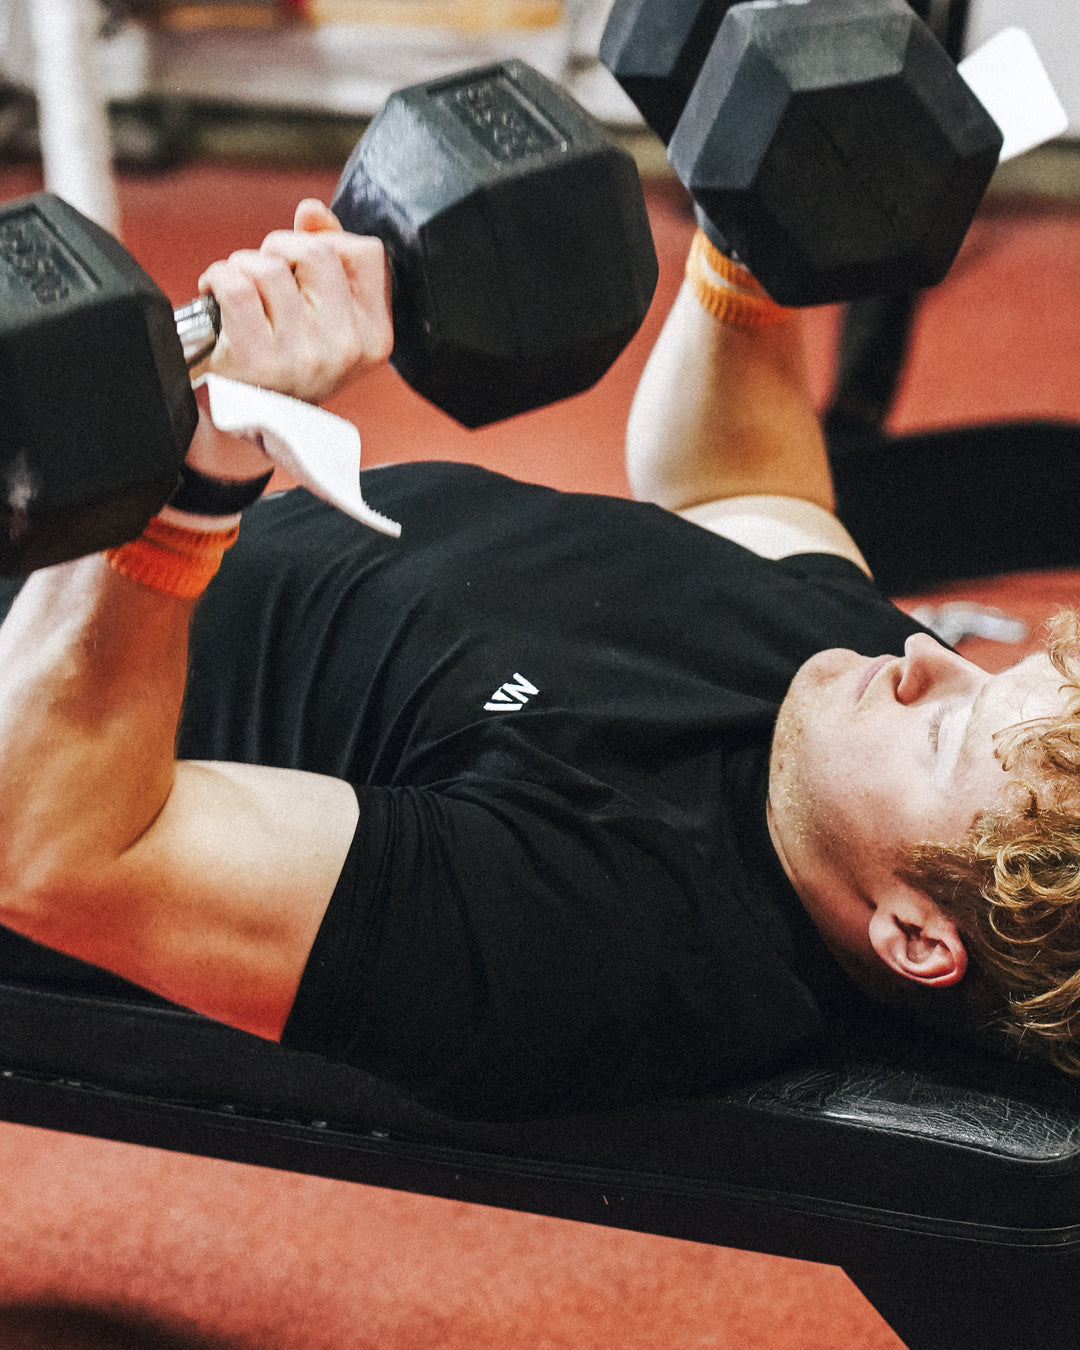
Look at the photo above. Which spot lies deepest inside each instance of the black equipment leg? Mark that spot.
(873, 348)
(976, 1298)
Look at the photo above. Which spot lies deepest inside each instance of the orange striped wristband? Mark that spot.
(172, 558)
(727, 291)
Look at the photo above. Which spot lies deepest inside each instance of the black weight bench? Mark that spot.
(944, 1182)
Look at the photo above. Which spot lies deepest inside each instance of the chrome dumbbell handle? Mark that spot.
(198, 324)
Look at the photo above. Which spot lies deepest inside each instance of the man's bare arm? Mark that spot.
(724, 431)
(204, 882)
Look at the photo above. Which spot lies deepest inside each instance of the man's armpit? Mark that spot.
(776, 527)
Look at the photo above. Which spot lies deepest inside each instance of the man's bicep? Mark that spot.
(776, 527)
(216, 907)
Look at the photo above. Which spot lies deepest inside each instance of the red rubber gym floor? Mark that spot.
(111, 1245)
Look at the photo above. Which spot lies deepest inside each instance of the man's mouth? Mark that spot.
(878, 663)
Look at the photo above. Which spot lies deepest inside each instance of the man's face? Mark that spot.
(873, 755)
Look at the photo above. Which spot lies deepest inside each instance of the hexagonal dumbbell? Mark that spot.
(517, 234)
(832, 147)
(656, 48)
(98, 408)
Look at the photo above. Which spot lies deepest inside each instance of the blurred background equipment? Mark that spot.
(73, 121)
(157, 61)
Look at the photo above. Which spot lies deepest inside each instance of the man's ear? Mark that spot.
(913, 938)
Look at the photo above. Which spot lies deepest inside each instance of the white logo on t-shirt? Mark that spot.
(512, 695)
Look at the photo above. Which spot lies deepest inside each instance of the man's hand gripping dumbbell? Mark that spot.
(303, 314)
(280, 303)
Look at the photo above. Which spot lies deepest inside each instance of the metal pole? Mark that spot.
(75, 138)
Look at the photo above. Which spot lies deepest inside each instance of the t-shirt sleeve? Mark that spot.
(497, 957)
(848, 607)
(833, 571)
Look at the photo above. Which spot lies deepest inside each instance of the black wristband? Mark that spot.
(204, 496)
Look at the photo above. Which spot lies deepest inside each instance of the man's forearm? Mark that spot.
(723, 411)
(93, 671)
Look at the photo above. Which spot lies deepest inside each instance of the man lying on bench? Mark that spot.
(559, 801)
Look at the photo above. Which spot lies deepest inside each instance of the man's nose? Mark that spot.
(928, 669)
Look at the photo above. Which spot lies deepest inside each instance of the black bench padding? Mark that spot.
(898, 1158)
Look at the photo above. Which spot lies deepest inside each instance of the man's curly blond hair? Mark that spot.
(1012, 886)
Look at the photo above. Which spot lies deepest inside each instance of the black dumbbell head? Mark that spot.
(834, 148)
(656, 48)
(518, 238)
(97, 404)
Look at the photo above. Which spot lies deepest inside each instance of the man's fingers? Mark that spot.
(304, 312)
(262, 318)
(255, 289)
(319, 259)
(237, 295)
(367, 269)
(344, 279)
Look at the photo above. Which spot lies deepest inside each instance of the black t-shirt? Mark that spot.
(556, 711)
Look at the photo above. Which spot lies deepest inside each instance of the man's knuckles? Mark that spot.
(320, 253)
(361, 258)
